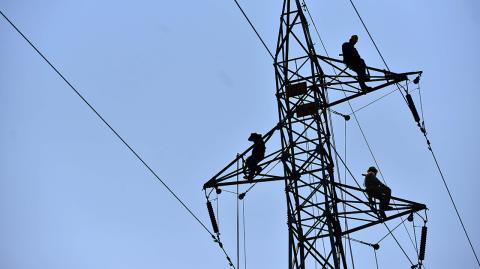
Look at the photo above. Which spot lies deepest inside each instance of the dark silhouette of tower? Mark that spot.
(317, 203)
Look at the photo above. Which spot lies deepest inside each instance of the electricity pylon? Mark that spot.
(318, 205)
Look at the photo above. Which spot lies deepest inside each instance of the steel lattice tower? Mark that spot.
(317, 204)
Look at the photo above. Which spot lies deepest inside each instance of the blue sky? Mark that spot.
(185, 82)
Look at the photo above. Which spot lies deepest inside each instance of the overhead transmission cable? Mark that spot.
(375, 44)
(238, 215)
(244, 237)
(370, 35)
(428, 143)
(372, 102)
(108, 125)
(255, 30)
(454, 204)
(112, 129)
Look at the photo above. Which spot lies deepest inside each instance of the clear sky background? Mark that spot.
(185, 82)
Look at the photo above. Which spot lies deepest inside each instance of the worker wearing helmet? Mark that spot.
(353, 61)
(376, 189)
(251, 167)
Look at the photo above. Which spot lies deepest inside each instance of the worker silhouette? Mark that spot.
(251, 167)
(376, 189)
(353, 61)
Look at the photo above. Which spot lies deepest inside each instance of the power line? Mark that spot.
(375, 44)
(372, 102)
(454, 205)
(238, 217)
(112, 129)
(368, 32)
(253, 27)
(107, 124)
(117, 135)
(244, 237)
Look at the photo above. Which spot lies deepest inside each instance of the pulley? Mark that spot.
(416, 80)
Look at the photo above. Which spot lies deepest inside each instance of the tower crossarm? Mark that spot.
(361, 211)
(302, 154)
(297, 92)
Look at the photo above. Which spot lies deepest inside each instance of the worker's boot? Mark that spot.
(364, 86)
(382, 214)
(258, 169)
(384, 207)
(249, 174)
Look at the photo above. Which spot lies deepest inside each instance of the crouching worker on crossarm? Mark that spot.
(251, 167)
(376, 189)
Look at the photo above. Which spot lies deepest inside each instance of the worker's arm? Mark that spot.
(372, 180)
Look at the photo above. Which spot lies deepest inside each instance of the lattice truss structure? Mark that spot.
(318, 205)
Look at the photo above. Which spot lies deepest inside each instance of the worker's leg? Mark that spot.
(374, 193)
(252, 167)
(258, 169)
(386, 195)
(363, 69)
(377, 194)
(247, 169)
(359, 68)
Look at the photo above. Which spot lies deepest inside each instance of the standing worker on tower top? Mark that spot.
(353, 61)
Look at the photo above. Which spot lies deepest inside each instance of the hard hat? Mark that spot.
(254, 136)
(372, 169)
